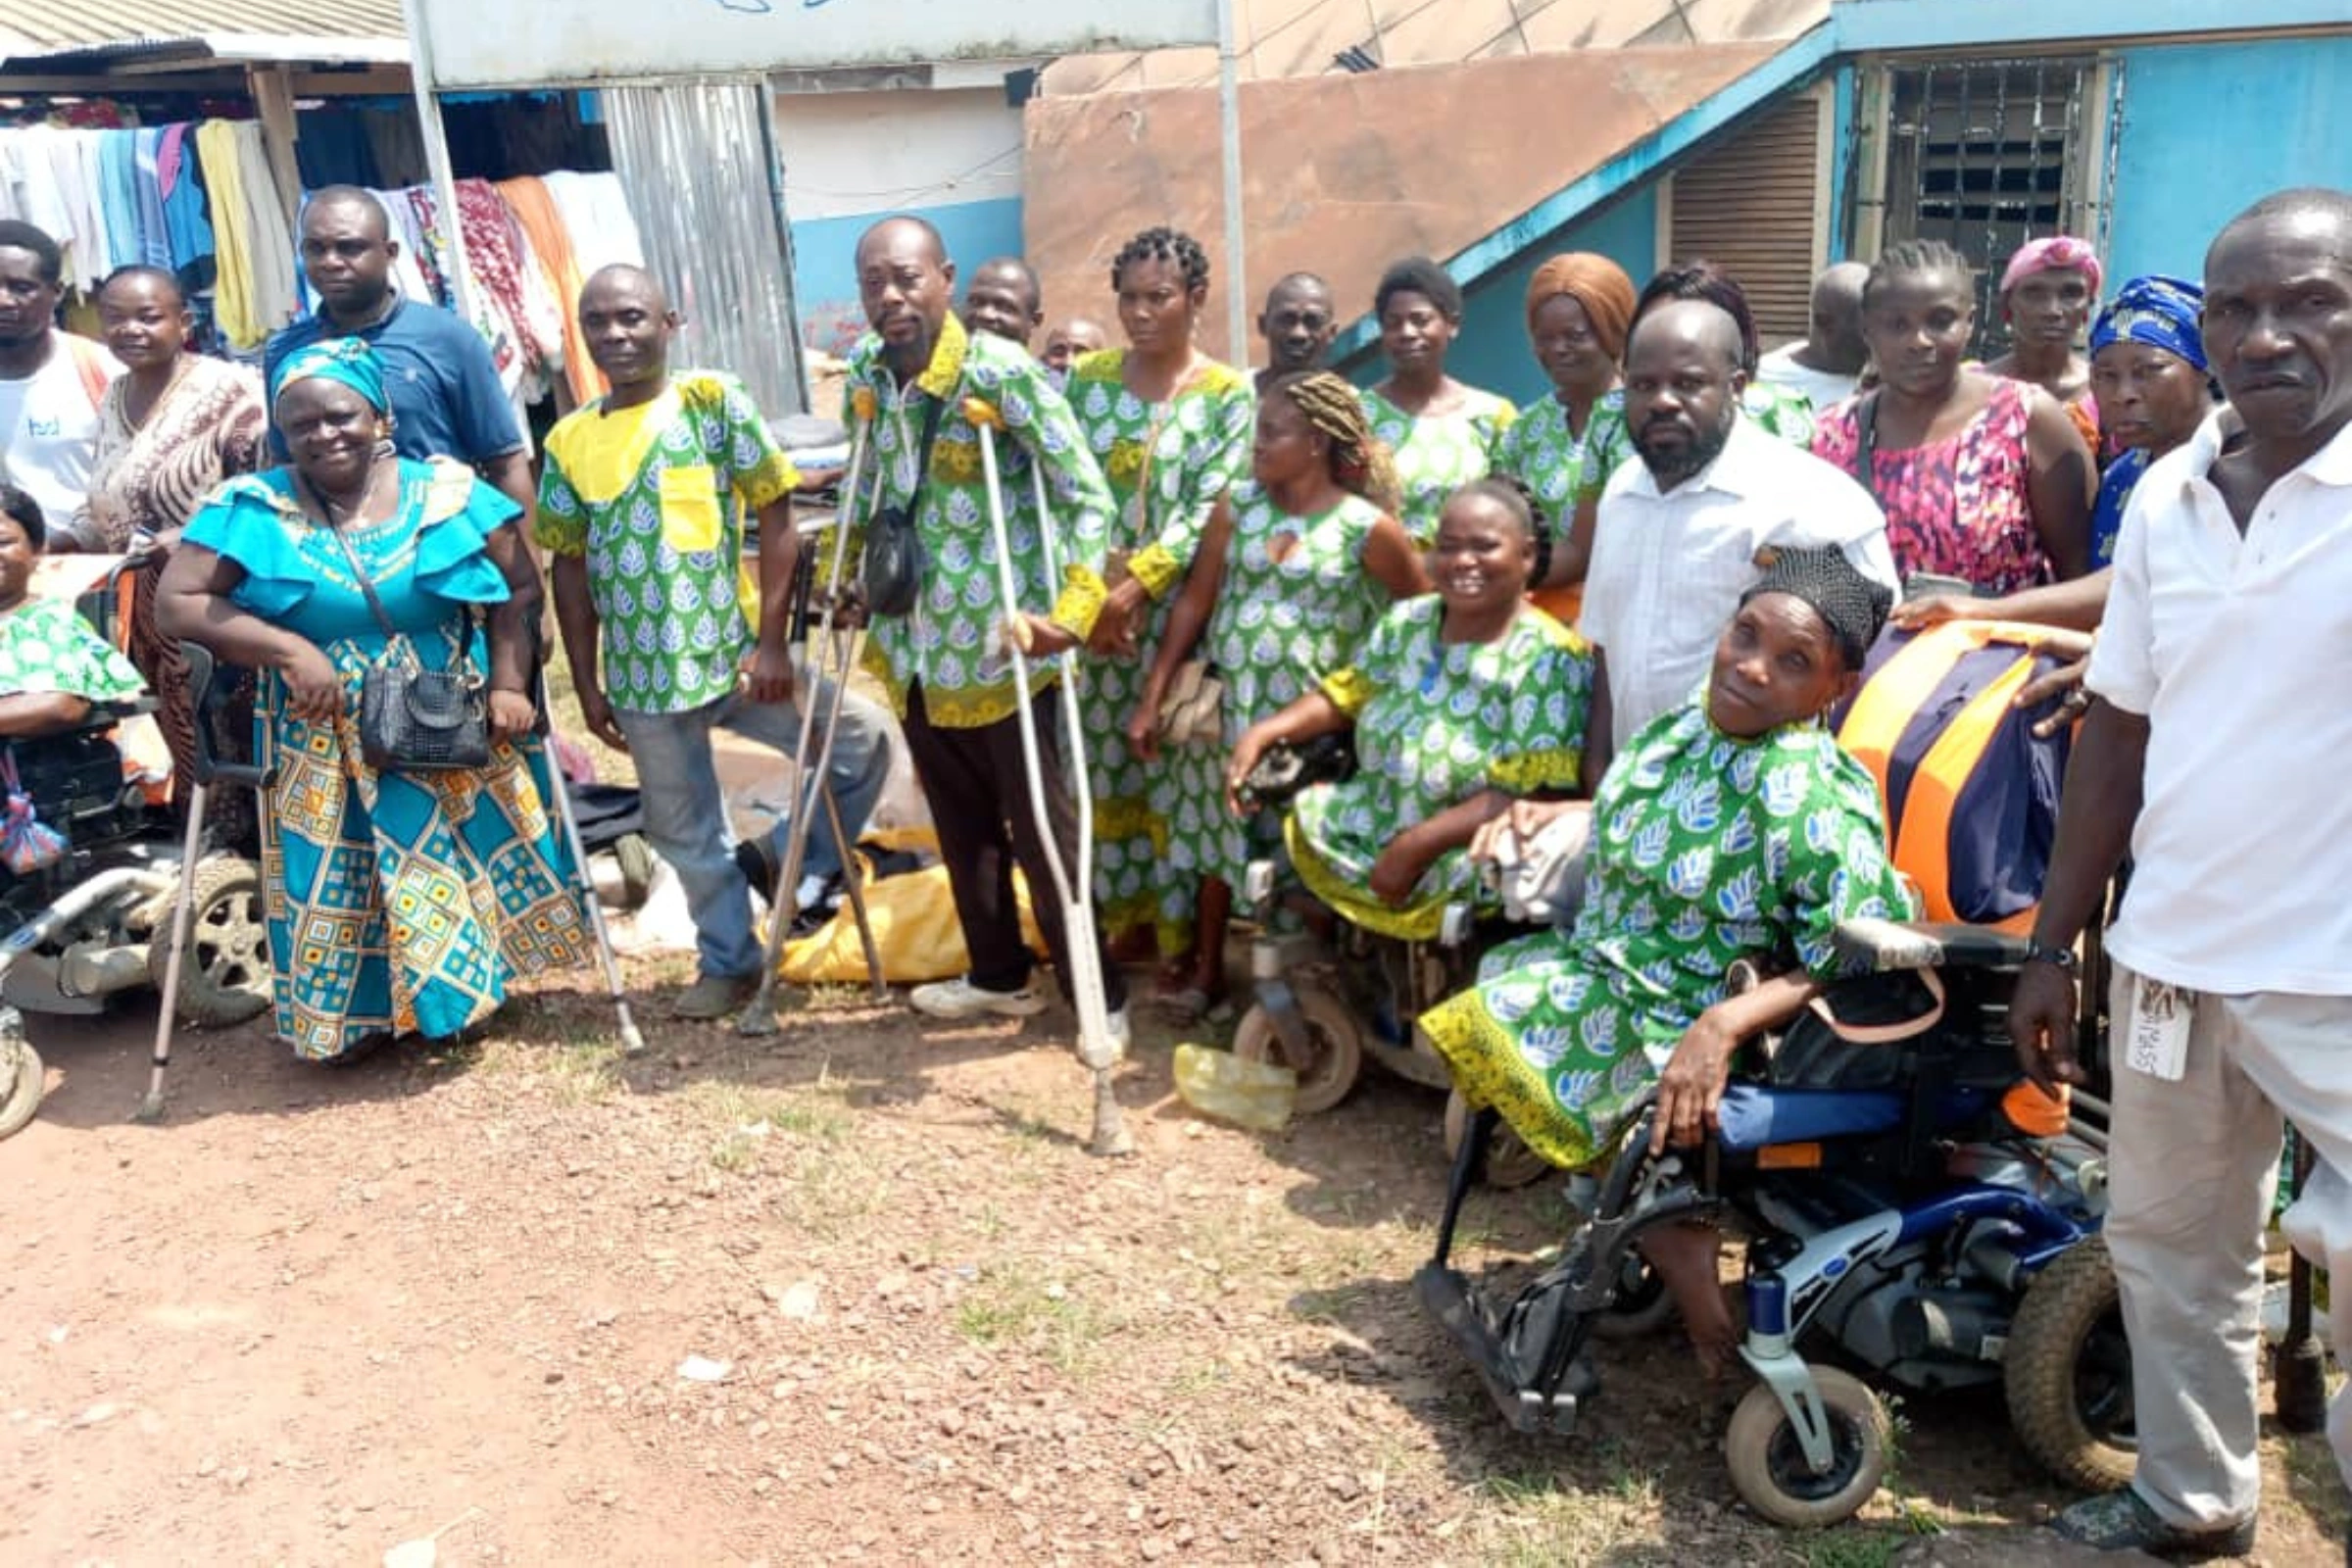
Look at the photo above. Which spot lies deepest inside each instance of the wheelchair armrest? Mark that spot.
(210, 769)
(1879, 947)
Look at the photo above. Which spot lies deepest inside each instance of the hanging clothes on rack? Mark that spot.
(255, 235)
(596, 213)
(543, 227)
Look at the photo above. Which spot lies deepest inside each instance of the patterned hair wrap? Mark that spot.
(2158, 311)
(1852, 606)
(1594, 282)
(2060, 253)
(347, 360)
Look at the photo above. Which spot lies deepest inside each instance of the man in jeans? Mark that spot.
(917, 381)
(642, 505)
(2212, 750)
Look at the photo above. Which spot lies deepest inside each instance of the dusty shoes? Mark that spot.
(714, 996)
(961, 998)
(2121, 1521)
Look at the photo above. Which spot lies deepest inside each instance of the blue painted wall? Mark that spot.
(824, 262)
(2209, 127)
(1492, 352)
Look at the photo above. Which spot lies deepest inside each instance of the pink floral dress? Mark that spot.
(1956, 508)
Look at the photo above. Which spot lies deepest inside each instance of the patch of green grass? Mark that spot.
(1011, 1306)
(1851, 1546)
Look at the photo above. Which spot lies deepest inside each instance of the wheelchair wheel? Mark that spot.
(21, 1083)
(2068, 1372)
(1335, 1050)
(224, 979)
(1768, 1465)
(1642, 1305)
(1510, 1163)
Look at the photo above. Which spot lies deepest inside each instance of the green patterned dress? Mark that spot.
(1706, 848)
(1438, 455)
(1781, 411)
(1436, 723)
(1167, 464)
(1295, 603)
(46, 646)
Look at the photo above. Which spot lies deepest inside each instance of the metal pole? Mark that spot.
(436, 156)
(1237, 245)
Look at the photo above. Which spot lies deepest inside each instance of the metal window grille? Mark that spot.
(1985, 155)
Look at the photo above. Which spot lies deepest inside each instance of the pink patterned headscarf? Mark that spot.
(2060, 253)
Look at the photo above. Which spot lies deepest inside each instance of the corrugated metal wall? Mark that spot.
(1751, 205)
(699, 168)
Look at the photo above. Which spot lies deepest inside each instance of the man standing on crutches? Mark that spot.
(642, 503)
(919, 378)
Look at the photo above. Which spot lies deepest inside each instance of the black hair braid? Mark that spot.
(1162, 244)
(1918, 258)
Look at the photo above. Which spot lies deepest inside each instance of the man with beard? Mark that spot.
(1675, 541)
(918, 380)
(1005, 299)
(51, 384)
(1298, 323)
(446, 398)
(2215, 671)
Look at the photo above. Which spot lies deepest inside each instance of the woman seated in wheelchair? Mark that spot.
(1459, 703)
(1731, 827)
(53, 664)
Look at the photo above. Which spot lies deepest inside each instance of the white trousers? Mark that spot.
(2195, 1168)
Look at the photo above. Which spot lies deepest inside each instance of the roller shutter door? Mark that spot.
(1750, 204)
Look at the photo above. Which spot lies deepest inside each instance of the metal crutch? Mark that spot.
(209, 770)
(1098, 1048)
(632, 1043)
(759, 1018)
(854, 890)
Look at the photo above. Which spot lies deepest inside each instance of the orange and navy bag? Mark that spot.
(1971, 791)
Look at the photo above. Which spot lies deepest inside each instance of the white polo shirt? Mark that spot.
(1667, 570)
(2238, 652)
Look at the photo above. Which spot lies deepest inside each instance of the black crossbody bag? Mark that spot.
(891, 575)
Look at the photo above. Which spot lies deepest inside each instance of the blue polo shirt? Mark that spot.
(446, 399)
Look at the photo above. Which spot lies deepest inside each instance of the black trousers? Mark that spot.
(978, 788)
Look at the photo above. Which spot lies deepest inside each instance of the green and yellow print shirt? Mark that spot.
(951, 642)
(1439, 454)
(654, 496)
(1167, 463)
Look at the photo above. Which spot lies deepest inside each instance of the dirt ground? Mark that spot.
(854, 1294)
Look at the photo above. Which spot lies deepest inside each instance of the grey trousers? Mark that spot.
(2195, 1168)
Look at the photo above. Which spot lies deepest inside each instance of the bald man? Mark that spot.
(1298, 323)
(446, 397)
(2209, 753)
(1003, 299)
(1824, 368)
(642, 507)
(1675, 542)
(1079, 335)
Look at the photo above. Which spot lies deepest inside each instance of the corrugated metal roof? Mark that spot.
(33, 29)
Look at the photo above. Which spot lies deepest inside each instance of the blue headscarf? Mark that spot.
(2158, 311)
(347, 360)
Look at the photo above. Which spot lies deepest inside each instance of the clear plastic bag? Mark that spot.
(1258, 1095)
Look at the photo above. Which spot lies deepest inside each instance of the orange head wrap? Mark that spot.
(1594, 282)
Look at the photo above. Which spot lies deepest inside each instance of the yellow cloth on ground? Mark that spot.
(915, 930)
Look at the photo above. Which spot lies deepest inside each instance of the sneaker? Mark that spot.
(961, 998)
(714, 996)
(2121, 1521)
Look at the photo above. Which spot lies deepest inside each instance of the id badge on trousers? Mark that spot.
(2158, 1042)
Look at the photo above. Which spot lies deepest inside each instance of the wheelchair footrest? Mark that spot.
(1448, 1296)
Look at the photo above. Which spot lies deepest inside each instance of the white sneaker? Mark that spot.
(961, 998)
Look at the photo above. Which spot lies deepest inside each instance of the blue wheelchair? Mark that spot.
(1911, 1209)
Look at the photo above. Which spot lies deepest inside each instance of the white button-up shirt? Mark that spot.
(2237, 649)
(1667, 570)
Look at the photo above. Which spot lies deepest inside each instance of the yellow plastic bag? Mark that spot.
(915, 929)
